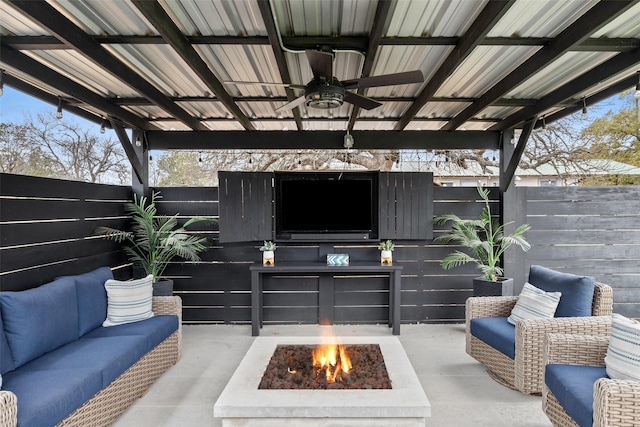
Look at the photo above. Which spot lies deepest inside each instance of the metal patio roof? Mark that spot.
(489, 66)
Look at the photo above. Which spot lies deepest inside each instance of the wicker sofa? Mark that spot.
(615, 402)
(95, 377)
(524, 371)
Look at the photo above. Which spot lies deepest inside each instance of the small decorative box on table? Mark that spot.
(337, 259)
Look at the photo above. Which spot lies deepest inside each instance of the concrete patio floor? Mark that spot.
(459, 389)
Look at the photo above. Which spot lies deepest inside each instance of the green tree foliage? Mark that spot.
(616, 136)
(46, 146)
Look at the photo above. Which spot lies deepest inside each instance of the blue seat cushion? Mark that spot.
(155, 329)
(572, 385)
(45, 400)
(41, 319)
(496, 332)
(92, 298)
(577, 291)
(109, 356)
(6, 360)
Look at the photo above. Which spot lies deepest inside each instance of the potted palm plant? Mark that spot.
(485, 241)
(154, 241)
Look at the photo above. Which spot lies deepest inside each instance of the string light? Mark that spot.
(102, 127)
(59, 112)
(584, 109)
(1, 82)
(637, 94)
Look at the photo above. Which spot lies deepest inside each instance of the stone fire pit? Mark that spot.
(243, 404)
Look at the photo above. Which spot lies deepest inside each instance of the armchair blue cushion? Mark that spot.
(496, 332)
(577, 291)
(572, 385)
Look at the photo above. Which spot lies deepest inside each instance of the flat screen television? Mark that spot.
(318, 206)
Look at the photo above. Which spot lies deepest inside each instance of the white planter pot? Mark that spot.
(386, 257)
(268, 258)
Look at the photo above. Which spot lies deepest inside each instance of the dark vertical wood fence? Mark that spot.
(594, 231)
(46, 230)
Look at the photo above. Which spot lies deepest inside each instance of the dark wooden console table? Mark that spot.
(258, 271)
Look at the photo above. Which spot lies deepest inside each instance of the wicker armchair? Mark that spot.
(615, 402)
(525, 372)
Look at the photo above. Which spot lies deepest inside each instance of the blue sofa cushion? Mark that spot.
(109, 356)
(45, 400)
(41, 319)
(92, 298)
(572, 385)
(6, 361)
(155, 329)
(496, 332)
(577, 291)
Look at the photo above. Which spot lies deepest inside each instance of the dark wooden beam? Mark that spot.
(379, 21)
(161, 21)
(492, 12)
(358, 43)
(274, 41)
(507, 174)
(589, 79)
(129, 150)
(321, 140)
(65, 85)
(333, 119)
(47, 16)
(595, 18)
(503, 102)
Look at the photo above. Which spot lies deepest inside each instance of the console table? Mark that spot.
(258, 271)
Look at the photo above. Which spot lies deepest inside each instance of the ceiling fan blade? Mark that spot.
(385, 80)
(361, 101)
(289, 85)
(292, 104)
(321, 64)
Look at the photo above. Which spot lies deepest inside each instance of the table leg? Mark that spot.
(396, 301)
(256, 306)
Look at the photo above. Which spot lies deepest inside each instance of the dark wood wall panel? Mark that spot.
(592, 231)
(46, 229)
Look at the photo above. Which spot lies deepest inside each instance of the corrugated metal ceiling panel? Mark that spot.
(558, 73)
(104, 17)
(627, 25)
(219, 18)
(440, 18)
(76, 67)
(483, 68)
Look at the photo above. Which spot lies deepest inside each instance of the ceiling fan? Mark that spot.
(325, 91)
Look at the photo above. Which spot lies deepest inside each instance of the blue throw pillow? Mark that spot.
(92, 298)
(40, 320)
(577, 291)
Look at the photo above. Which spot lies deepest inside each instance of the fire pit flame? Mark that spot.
(333, 359)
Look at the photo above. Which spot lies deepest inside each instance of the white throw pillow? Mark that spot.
(534, 303)
(128, 301)
(623, 355)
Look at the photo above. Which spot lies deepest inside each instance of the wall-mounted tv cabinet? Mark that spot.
(334, 206)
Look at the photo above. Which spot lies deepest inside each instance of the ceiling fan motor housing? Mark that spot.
(325, 95)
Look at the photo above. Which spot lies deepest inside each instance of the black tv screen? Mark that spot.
(340, 206)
